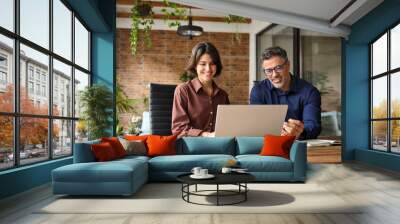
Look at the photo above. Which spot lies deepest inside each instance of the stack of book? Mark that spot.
(321, 142)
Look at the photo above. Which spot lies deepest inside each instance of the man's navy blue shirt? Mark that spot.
(303, 100)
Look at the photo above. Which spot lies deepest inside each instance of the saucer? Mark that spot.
(208, 176)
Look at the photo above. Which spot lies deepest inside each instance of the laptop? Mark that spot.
(249, 120)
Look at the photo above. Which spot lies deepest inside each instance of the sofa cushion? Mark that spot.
(116, 145)
(277, 145)
(83, 152)
(131, 158)
(249, 145)
(185, 163)
(134, 147)
(103, 152)
(136, 137)
(98, 172)
(161, 145)
(257, 163)
(200, 145)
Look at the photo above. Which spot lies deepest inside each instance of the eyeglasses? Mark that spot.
(277, 69)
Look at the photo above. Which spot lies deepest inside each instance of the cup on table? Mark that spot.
(196, 170)
(226, 170)
(203, 172)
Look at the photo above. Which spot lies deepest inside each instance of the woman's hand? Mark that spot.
(207, 134)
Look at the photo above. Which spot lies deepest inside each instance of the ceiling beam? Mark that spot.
(269, 15)
(152, 3)
(195, 18)
(346, 11)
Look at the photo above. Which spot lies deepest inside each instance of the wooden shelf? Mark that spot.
(324, 154)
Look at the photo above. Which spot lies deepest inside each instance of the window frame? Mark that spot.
(15, 71)
(388, 74)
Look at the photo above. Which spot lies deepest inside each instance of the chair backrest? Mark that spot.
(161, 100)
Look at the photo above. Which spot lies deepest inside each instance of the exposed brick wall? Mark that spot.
(167, 58)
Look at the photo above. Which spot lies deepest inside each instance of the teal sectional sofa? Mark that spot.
(125, 176)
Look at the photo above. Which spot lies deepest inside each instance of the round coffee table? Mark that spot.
(238, 179)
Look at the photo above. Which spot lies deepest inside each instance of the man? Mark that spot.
(303, 118)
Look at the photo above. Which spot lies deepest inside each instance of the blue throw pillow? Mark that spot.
(249, 145)
(203, 145)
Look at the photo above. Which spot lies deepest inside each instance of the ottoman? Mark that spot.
(119, 177)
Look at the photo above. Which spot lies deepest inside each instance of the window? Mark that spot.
(37, 74)
(34, 22)
(3, 78)
(62, 143)
(30, 72)
(81, 45)
(62, 74)
(38, 89)
(81, 81)
(7, 85)
(6, 143)
(7, 14)
(54, 125)
(3, 72)
(43, 90)
(385, 96)
(30, 87)
(62, 30)
(3, 61)
(44, 77)
(315, 57)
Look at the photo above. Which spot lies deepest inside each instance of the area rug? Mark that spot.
(167, 198)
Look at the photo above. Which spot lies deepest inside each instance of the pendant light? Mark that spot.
(190, 30)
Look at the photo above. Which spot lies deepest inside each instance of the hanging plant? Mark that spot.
(235, 19)
(141, 16)
(173, 11)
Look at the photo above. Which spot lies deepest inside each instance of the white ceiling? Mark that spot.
(321, 9)
(314, 15)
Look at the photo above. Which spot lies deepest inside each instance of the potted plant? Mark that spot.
(96, 102)
(123, 105)
(186, 76)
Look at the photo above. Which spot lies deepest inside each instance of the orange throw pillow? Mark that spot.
(161, 145)
(116, 145)
(103, 152)
(136, 137)
(277, 145)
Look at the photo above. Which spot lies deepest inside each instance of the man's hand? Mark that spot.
(292, 127)
(207, 134)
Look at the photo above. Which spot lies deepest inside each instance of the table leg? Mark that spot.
(188, 190)
(182, 190)
(217, 194)
(245, 191)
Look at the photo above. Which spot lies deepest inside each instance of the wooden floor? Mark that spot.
(378, 189)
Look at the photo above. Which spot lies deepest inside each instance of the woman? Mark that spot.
(196, 101)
